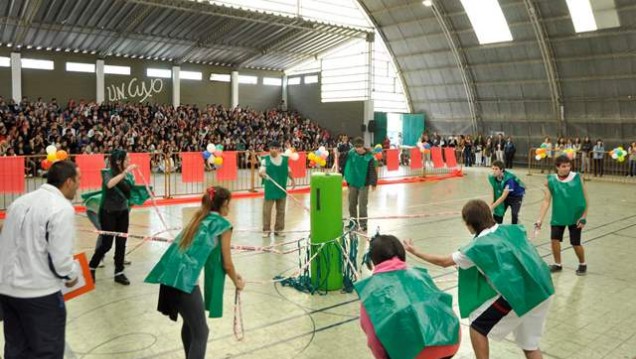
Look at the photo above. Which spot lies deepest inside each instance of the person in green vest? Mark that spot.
(507, 191)
(114, 212)
(204, 244)
(402, 312)
(569, 209)
(275, 168)
(360, 173)
(504, 285)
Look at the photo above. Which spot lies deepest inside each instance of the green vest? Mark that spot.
(180, 269)
(408, 311)
(138, 194)
(498, 190)
(278, 174)
(568, 200)
(357, 168)
(507, 261)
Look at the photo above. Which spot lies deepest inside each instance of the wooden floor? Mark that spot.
(591, 316)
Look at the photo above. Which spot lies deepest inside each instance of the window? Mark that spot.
(293, 81)
(37, 64)
(116, 70)
(5, 62)
(311, 79)
(161, 73)
(591, 15)
(488, 21)
(191, 75)
(221, 77)
(80, 67)
(245, 79)
(272, 81)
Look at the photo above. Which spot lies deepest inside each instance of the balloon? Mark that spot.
(51, 157)
(543, 145)
(537, 157)
(288, 152)
(206, 154)
(218, 161)
(219, 147)
(323, 155)
(218, 153)
(61, 155)
(326, 154)
(211, 159)
(51, 149)
(312, 163)
(294, 156)
(614, 155)
(322, 149)
(211, 148)
(45, 164)
(427, 145)
(378, 156)
(311, 156)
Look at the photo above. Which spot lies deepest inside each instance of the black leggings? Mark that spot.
(194, 332)
(515, 205)
(113, 222)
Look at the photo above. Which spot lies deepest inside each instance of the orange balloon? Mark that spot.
(61, 155)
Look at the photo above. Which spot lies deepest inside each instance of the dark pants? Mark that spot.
(113, 222)
(515, 204)
(194, 332)
(598, 167)
(34, 327)
(508, 162)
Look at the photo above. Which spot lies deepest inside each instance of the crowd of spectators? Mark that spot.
(83, 127)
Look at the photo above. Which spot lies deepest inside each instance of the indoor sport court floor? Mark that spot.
(591, 317)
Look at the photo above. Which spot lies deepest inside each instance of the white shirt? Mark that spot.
(461, 260)
(276, 161)
(36, 244)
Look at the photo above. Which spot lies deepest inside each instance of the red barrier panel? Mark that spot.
(436, 156)
(299, 168)
(451, 161)
(416, 159)
(192, 167)
(393, 159)
(12, 174)
(142, 160)
(229, 170)
(91, 170)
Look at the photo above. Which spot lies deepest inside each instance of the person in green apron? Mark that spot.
(275, 168)
(402, 312)
(360, 173)
(504, 285)
(507, 191)
(114, 212)
(569, 209)
(203, 245)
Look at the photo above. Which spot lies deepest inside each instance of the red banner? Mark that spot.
(229, 170)
(393, 159)
(192, 167)
(449, 154)
(12, 174)
(142, 160)
(299, 168)
(91, 170)
(416, 158)
(436, 156)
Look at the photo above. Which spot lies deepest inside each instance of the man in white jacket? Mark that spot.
(36, 260)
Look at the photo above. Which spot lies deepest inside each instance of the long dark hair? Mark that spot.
(211, 201)
(477, 214)
(116, 161)
(384, 247)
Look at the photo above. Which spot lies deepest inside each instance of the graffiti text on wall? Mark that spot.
(134, 90)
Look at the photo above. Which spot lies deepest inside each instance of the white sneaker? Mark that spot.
(279, 234)
(266, 234)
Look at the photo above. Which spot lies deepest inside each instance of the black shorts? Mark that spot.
(491, 316)
(575, 234)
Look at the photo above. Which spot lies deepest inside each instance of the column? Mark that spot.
(235, 89)
(176, 86)
(16, 77)
(99, 80)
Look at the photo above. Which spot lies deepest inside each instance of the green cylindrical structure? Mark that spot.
(326, 225)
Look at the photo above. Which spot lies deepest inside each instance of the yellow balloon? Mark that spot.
(52, 157)
(218, 161)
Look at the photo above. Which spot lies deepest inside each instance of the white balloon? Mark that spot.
(294, 156)
(538, 157)
(288, 152)
(211, 147)
(326, 154)
(614, 156)
(51, 149)
(322, 149)
(211, 159)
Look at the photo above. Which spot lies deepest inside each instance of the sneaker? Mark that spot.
(279, 234)
(266, 234)
(582, 269)
(122, 279)
(101, 264)
(554, 268)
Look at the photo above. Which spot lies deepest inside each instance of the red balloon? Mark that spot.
(45, 164)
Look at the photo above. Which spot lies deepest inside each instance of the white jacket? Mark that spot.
(36, 244)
